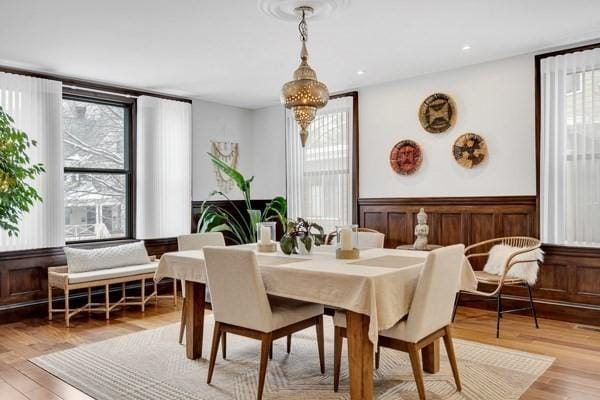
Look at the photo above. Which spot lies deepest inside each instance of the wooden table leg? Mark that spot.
(194, 322)
(431, 357)
(360, 356)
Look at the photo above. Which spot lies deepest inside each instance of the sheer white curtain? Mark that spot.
(164, 168)
(319, 176)
(570, 149)
(35, 105)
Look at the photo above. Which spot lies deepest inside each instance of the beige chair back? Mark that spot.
(197, 241)
(238, 293)
(370, 240)
(432, 304)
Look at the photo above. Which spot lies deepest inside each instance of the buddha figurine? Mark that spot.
(421, 231)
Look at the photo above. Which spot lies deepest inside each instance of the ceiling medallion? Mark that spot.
(305, 94)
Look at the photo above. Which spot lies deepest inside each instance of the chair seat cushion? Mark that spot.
(485, 277)
(287, 311)
(112, 273)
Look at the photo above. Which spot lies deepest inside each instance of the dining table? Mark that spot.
(375, 291)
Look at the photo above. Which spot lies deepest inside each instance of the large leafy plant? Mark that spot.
(17, 196)
(238, 225)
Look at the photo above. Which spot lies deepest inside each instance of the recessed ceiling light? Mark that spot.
(360, 72)
(466, 47)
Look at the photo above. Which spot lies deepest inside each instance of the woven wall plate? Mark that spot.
(469, 150)
(406, 157)
(437, 113)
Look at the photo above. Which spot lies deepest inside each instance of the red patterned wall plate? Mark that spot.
(406, 157)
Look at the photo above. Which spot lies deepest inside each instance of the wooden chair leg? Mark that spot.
(155, 293)
(143, 295)
(456, 302)
(182, 323)
(271, 351)
(289, 344)
(321, 343)
(107, 301)
(415, 362)
(49, 303)
(213, 351)
(337, 357)
(224, 344)
(452, 357)
(89, 300)
(265, 348)
(532, 307)
(377, 357)
(67, 310)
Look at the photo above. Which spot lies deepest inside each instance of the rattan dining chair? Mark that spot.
(196, 241)
(523, 245)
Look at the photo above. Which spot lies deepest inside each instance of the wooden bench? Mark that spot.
(60, 278)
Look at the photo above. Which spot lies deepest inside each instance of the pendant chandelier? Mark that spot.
(305, 94)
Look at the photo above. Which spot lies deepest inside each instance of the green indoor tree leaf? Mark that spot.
(17, 196)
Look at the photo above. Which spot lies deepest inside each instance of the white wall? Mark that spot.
(268, 132)
(261, 137)
(218, 122)
(494, 100)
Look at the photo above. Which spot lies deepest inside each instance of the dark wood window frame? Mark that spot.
(538, 128)
(129, 105)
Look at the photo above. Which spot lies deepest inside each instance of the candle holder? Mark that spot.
(347, 240)
(265, 233)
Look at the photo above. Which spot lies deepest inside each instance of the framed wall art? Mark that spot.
(406, 157)
(437, 113)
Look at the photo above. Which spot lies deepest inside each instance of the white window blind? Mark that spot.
(570, 149)
(319, 176)
(164, 168)
(35, 106)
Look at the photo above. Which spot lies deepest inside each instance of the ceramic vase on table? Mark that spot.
(305, 244)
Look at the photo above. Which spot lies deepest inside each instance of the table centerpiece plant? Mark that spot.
(300, 237)
(238, 226)
(17, 196)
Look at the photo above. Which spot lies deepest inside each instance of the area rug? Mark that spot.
(150, 365)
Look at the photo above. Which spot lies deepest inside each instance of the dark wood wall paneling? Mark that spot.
(569, 282)
(23, 274)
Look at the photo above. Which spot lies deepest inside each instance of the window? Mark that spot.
(98, 168)
(570, 148)
(320, 184)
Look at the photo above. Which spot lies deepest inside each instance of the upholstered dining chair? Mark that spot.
(367, 239)
(241, 306)
(525, 251)
(428, 319)
(196, 241)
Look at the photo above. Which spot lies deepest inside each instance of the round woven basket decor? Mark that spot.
(406, 157)
(437, 113)
(470, 150)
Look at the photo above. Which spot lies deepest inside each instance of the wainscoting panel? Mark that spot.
(569, 282)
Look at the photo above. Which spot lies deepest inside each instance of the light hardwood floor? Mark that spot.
(574, 375)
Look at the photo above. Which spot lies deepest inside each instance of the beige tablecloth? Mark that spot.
(382, 289)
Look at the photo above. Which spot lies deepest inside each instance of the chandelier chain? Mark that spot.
(303, 27)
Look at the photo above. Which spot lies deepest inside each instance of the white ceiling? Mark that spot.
(228, 51)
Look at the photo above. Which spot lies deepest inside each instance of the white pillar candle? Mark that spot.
(346, 239)
(265, 235)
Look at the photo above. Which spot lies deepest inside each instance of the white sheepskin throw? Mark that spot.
(527, 271)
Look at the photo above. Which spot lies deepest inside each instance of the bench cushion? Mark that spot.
(112, 273)
(85, 260)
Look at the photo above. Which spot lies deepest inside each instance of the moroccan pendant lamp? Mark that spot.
(305, 94)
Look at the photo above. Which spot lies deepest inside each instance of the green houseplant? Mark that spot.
(17, 196)
(300, 236)
(239, 226)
